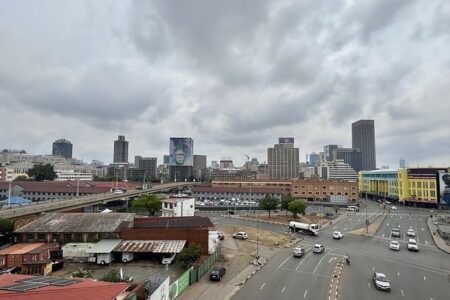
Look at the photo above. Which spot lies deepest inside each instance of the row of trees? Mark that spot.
(295, 206)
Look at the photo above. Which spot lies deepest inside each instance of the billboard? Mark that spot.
(181, 152)
(444, 187)
(285, 140)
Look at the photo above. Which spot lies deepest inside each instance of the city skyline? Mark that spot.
(93, 71)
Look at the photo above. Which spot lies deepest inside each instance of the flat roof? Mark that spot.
(78, 222)
(173, 222)
(104, 246)
(153, 246)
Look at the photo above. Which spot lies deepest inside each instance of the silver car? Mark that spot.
(381, 282)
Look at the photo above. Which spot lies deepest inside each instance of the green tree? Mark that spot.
(149, 202)
(6, 226)
(268, 203)
(82, 273)
(42, 172)
(21, 178)
(113, 275)
(190, 254)
(285, 201)
(297, 206)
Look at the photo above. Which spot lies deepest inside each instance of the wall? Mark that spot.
(192, 235)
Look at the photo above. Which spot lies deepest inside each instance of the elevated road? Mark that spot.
(67, 204)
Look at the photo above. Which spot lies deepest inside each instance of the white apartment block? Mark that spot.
(178, 206)
(63, 175)
(337, 169)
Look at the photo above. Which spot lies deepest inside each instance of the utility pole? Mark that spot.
(257, 238)
(9, 194)
(78, 186)
(367, 220)
(250, 185)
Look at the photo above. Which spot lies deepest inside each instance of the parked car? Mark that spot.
(240, 235)
(337, 235)
(118, 192)
(217, 273)
(168, 258)
(412, 245)
(221, 235)
(299, 252)
(381, 282)
(410, 232)
(353, 208)
(394, 245)
(318, 248)
(396, 232)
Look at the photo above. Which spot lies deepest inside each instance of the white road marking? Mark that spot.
(368, 285)
(387, 224)
(319, 263)
(284, 261)
(398, 225)
(306, 292)
(426, 242)
(303, 261)
(402, 293)
(331, 259)
(422, 229)
(282, 291)
(398, 273)
(262, 286)
(373, 269)
(424, 278)
(345, 228)
(382, 235)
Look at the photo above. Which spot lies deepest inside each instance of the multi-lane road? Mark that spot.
(413, 275)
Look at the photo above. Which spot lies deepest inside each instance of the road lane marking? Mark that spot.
(282, 291)
(373, 269)
(422, 229)
(331, 259)
(345, 228)
(387, 224)
(303, 260)
(424, 278)
(382, 235)
(306, 292)
(319, 263)
(368, 285)
(262, 286)
(284, 261)
(402, 293)
(398, 273)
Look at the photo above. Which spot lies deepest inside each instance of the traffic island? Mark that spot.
(334, 290)
(372, 229)
(438, 240)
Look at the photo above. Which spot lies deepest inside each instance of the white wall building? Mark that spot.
(178, 206)
(337, 169)
(72, 175)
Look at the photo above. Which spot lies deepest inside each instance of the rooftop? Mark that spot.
(86, 289)
(158, 246)
(104, 246)
(21, 248)
(173, 222)
(78, 222)
(237, 189)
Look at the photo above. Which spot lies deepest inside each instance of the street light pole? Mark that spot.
(367, 220)
(257, 238)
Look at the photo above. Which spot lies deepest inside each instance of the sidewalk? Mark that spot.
(438, 240)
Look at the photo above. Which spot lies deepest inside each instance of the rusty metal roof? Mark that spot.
(152, 246)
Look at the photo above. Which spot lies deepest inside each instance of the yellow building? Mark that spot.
(410, 186)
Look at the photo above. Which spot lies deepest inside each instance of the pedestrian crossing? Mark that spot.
(383, 213)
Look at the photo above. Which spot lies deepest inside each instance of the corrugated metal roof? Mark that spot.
(78, 222)
(104, 246)
(171, 222)
(21, 248)
(153, 246)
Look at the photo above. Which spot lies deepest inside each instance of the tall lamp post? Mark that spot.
(367, 219)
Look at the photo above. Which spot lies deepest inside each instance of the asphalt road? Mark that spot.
(413, 275)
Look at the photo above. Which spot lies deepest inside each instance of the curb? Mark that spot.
(336, 279)
(433, 235)
(240, 284)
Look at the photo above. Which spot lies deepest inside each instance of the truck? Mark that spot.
(311, 229)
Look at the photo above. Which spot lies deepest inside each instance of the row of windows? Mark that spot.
(324, 187)
(325, 193)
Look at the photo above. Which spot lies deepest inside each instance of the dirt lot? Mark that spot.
(139, 270)
(282, 218)
(267, 238)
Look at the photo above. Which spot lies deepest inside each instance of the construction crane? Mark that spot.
(247, 156)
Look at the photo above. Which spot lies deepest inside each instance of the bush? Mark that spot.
(81, 273)
(190, 254)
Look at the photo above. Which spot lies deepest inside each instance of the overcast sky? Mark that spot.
(233, 75)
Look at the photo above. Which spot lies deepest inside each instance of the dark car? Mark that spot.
(396, 232)
(217, 273)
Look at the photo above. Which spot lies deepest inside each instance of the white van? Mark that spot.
(127, 257)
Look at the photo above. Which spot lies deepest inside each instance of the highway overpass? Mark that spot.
(14, 212)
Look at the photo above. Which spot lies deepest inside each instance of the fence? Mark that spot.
(198, 272)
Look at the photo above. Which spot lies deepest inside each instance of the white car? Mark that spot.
(410, 232)
(394, 245)
(393, 207)
(337, 235)
(240, 235)
(299, 252)
(318, 248)
(381, 282)
(118, 192)
(412, 245)
(168, 258)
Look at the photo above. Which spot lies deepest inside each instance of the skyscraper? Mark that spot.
(363, 138)
(181, 150)
(313, 158)
(120, 150)
(148, 164)
(283, 160)
(63, 148)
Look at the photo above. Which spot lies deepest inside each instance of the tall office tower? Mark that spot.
(363, 138)
(120, 150)
(167, 159)
(402, 163)
(351, 157)
(199, 166)
(283, 160)
(330, 152)
(63, 148)
(148, 164)
(313, 158)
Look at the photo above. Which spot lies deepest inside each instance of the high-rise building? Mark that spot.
(120, 150)
(283, 160)
(181, 150)
(337, 169)
(166, 159)
(402, 163)
(351, 157)
(363, 138)
(313, 158)
(199, 166)
(63, 148)
(148, 164)
(330, 152)
(226, 164)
